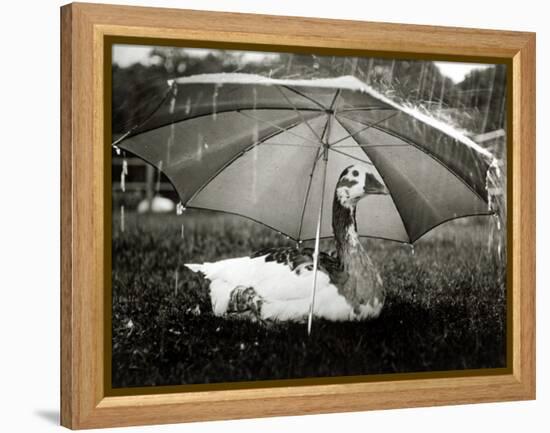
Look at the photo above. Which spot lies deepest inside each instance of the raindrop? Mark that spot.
(255, 164)
(215, 101)
(171, 140)
(488, 189)
(200, 142)
(171, 110)
(205, 145)
(315, 63)
(176, 277)
(255, 134)
(411, 246)
(180, 208)
(188, 105)
(255, 96)
(123, 174)
(173, 99)
(182, 231)
(159, 171)
(497, 219)
(122, 218)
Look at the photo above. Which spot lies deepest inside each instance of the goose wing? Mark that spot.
(301, 259)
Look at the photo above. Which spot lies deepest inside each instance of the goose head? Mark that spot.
(355, 183)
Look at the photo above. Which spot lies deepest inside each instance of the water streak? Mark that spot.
(200, 144)
(255, 98)
(215, 101)
(255, 139)
(180, 208)
(159, 173)
(172, 137)
(123, 174)
(122, 218)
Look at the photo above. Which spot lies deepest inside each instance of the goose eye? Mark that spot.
(355, 173)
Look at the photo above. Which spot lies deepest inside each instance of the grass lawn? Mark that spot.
(445, 308)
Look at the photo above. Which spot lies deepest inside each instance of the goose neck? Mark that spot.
(344, 225)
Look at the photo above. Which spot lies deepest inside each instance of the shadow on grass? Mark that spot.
(188, 348)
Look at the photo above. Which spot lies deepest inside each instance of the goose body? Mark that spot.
(275, 284)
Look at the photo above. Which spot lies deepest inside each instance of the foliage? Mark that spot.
(138, 88)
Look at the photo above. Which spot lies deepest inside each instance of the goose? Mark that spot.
(275, 284)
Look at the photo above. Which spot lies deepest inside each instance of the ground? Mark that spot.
(445, 309)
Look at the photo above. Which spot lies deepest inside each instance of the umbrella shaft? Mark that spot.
(317, 241)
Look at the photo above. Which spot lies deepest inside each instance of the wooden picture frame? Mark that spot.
(85, 28)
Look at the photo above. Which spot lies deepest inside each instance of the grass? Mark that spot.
(445, 309)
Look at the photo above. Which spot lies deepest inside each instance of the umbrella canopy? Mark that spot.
(272, 150)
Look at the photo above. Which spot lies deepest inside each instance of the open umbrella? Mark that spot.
(272, 150)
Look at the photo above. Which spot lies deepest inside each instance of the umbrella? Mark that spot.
(272, 150)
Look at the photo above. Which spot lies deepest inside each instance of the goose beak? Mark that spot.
(381, 191)
(373, 186)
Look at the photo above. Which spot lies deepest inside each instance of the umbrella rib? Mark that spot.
(427, 152)
(317, 158)
(370, 125)
(235, 157)
(370, 146)
(198, 116)
(315, 161)
(367, 108)
(333, 103)
(280, 127)
(244, 216)
(331, 237)
(169, 92)
(350, 156)
(304, 120)
(390, 193)
(291, 145)
(309, 98)
(310, 239)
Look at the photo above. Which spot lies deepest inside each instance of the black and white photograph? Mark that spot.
(287, 216)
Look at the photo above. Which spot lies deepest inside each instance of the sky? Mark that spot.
(126, 55)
